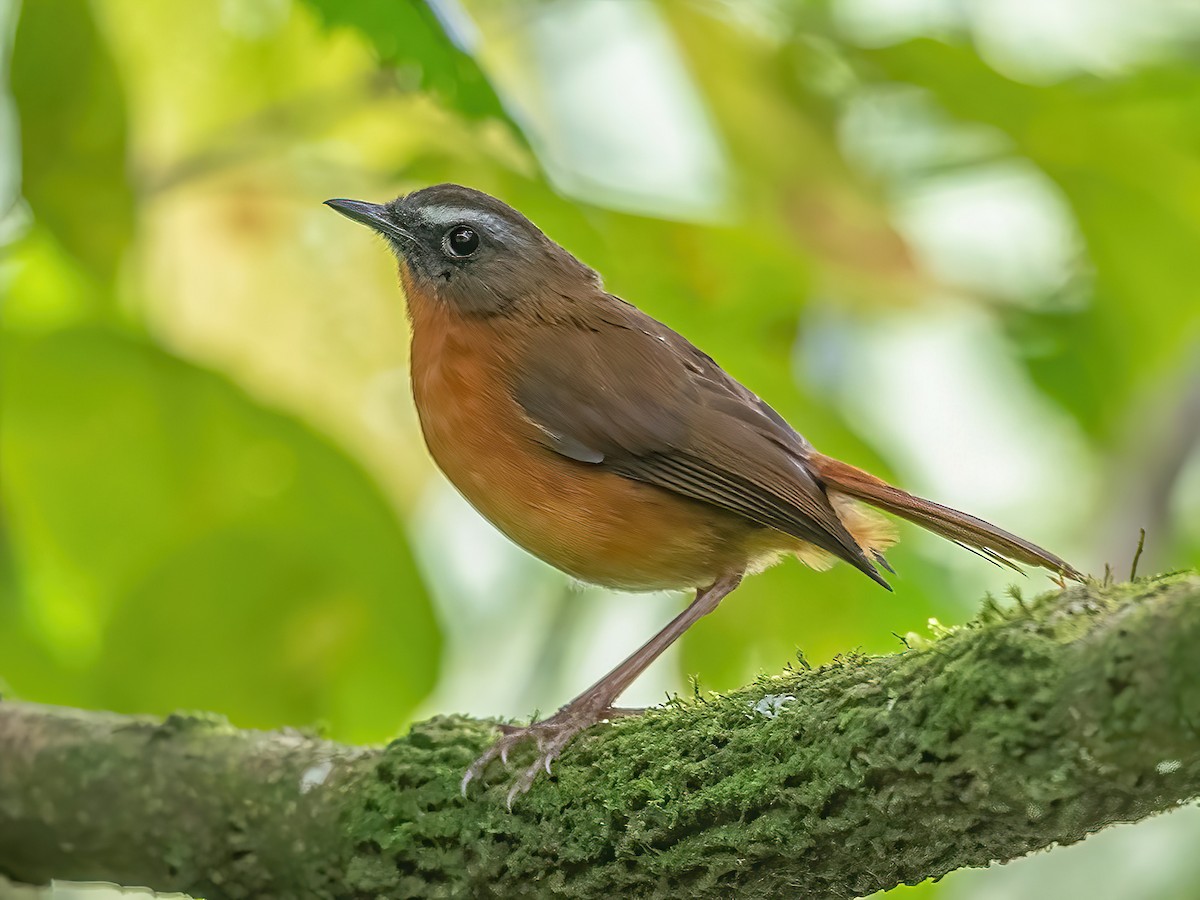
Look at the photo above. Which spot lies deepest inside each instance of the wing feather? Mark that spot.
(640, 400)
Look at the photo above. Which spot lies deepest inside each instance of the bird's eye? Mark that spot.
(460, 241)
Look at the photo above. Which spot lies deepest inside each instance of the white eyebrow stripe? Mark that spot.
(453, 215)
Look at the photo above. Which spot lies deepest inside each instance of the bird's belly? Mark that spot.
(592, 524)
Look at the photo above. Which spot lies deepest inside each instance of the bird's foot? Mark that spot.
(550, 736)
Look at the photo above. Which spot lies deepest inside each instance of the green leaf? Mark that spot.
(1123, 154)
(73, 133)
(178, 545)
(408, 36)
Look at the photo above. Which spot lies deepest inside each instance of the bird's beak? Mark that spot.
(373, 215)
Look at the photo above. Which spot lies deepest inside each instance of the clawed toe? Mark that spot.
(512, 736)
(549, 736)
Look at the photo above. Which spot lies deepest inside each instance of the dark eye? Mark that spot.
(460, 241)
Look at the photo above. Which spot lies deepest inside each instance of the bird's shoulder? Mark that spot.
(604, 356)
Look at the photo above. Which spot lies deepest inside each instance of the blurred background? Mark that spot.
(953, 241)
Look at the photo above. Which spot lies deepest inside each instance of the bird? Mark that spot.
(608, 445)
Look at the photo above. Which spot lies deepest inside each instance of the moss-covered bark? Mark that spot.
(1026, 728)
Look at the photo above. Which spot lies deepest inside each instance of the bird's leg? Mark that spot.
(595, 704)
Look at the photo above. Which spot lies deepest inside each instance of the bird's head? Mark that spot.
(469, 250)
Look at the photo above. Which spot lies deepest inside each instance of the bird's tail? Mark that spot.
(982, 537)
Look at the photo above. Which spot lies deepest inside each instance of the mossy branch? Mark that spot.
(1032, 726)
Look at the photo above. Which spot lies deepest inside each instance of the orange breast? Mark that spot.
(592, 524)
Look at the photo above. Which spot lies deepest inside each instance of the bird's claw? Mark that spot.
(549, 736)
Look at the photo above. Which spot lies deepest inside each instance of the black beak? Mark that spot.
(373, 215)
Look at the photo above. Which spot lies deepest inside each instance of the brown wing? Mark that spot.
(626, 393)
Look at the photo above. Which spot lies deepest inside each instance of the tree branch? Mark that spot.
(1030, 727)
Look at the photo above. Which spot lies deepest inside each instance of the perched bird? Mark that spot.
(606, 444)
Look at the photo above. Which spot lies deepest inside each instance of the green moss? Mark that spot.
(987, 741)
(1036, 723)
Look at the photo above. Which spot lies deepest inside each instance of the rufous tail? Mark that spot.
(991, 542)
